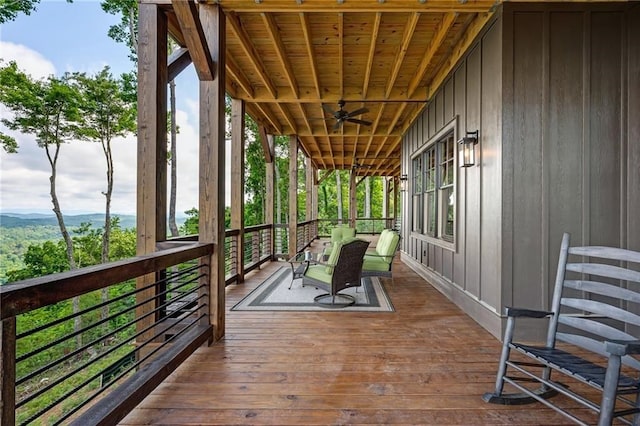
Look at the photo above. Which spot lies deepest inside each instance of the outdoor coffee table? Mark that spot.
(299, 264)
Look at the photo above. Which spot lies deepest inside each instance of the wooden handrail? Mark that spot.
(24, 296)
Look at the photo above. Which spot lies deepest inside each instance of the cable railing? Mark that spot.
(58, 361)
(373, 225)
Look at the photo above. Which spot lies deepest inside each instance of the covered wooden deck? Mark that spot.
(425, 363)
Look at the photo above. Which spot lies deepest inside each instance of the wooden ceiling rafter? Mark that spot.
(341, 53)
(274, 34)
(372, 6)
(409, 29)
(238, 76)
(250, 52)
(268, 114)
(288, 118)
(374, 127)
(372, 50)
(304, 23)
(434, 45)
(187, 14)
(177, 62)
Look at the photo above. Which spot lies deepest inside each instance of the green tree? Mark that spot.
(255, 176)
(126, 31)
(48, 109)
(9, 9)
(41, 259)
(107, 114)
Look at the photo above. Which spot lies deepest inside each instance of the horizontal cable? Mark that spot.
(87, 381)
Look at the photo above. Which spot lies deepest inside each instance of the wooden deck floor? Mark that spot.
(425, 363)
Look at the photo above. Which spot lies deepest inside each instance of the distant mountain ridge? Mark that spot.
(18, 220)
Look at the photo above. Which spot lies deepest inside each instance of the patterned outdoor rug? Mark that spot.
(274, 295)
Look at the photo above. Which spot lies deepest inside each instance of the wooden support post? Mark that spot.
(353, 205)
(237, 180)
(396, 200)
(151, 208)
(314, 197)
(8, 376)
(309, 206)
(293, 195)
(212, 162)
(385, 197)
(269, 198)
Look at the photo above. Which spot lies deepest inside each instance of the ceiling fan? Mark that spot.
(341, 115)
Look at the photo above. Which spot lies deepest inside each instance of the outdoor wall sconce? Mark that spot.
(403, 182)
(467, 149)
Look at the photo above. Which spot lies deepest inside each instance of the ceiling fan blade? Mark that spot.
(355, 120)
(328, 109)
(357, 112)
(337, 125)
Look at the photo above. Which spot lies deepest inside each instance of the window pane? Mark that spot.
(430, 214)
(430, 165)
(448, 202)
(417, 175)
(417, 214)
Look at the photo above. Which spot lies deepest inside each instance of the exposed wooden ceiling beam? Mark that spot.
(374, 128)
(252, 55)
(266, 113)
(372, 51)
(354, 6)
(187, 14)
(264, 140)
(304, 22)
(238, 76)
(326, 174)
(174, 29)
(331, 94)
(274, 34)
(287, 117)
(402, 51)
(445, 25)
(178, 61)
(341, 53)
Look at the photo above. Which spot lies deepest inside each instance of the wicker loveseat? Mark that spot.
(379, 261)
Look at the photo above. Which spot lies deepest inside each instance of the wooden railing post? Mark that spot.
(8, 376)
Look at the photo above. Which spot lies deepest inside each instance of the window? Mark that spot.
(434, 196)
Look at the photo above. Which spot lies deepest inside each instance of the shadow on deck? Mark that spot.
(425, 363)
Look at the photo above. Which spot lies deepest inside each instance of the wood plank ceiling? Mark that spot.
(292, 61)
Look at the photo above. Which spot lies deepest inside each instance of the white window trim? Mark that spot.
(449, 245)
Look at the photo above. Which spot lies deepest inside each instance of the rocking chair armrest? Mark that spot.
(622, 347)
(527, 313)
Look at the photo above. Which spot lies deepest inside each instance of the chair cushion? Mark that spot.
(318, 272)
(374, 263)
(335, 253)
(386, 246)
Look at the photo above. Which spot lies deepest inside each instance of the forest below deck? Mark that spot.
(411, 366)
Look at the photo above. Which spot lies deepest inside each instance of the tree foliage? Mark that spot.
(9, 9)
(49, 110)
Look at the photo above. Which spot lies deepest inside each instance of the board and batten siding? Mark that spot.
(554, 90)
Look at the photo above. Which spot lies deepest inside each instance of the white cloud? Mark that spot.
(28, 60)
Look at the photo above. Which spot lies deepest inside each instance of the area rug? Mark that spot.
(274, 295)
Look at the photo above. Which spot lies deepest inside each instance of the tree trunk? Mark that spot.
(65, 234)
(278, 196)
(174, 162)
(106, 235)
(339, 195)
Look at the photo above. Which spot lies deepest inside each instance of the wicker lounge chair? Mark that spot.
(342, 270)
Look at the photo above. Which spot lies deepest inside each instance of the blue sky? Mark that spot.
(60, 37)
